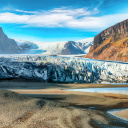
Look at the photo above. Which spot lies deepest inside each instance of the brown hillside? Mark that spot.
(111, 44)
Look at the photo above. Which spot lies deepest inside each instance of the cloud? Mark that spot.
(80, 18)
(12, 9)
(7, 8)
(31, 12)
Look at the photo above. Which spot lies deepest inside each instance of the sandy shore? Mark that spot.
(98, 100)
(121, 113)
(57, 108)
(14, 84)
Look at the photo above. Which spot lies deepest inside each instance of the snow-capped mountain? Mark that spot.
(29, 47)
(70, 47)
(57, 48)
(86, 44)
(51, 48)
(64, 48)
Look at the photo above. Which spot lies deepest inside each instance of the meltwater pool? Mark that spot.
(117, 90)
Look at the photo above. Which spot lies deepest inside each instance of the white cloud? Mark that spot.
(80, 18)
(10, 8)
(31, 12)
(71, 12)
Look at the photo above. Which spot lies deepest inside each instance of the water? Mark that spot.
(117, 90)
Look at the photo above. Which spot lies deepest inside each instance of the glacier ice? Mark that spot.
(62, 69)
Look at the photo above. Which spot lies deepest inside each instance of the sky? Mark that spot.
(59, 20)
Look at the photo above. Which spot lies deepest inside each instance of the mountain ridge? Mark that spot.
(68, 48)
(7, 45)
(111, 44)
(59, 48)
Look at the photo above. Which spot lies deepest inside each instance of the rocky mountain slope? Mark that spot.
(7, 45)
(56, 48)
(64, 48)
(29, 47)
(111, 44)
(86, 44)
(69, 47)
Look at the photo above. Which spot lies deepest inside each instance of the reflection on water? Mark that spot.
(120, 90)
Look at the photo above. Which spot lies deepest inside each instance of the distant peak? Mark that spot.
(1, 29)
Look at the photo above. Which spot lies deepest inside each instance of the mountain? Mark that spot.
(7, 45)
(69, 47)
(111, 44)
(29, 47)
(85, 44)
(64, 48)
(56, 48)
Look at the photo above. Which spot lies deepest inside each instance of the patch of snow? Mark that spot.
(87, 40)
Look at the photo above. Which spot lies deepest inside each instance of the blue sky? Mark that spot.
(59, 20)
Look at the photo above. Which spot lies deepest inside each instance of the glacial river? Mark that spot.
(117, 90)
(119, 113)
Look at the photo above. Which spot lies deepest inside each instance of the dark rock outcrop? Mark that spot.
(7, 46)
(111, 44)
(71, 48)
(27, 46)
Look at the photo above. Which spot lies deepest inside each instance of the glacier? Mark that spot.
(55, 48)
(62, 69)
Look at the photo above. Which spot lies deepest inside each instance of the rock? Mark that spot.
(7, 45)
(71, 48)
(111, 44)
